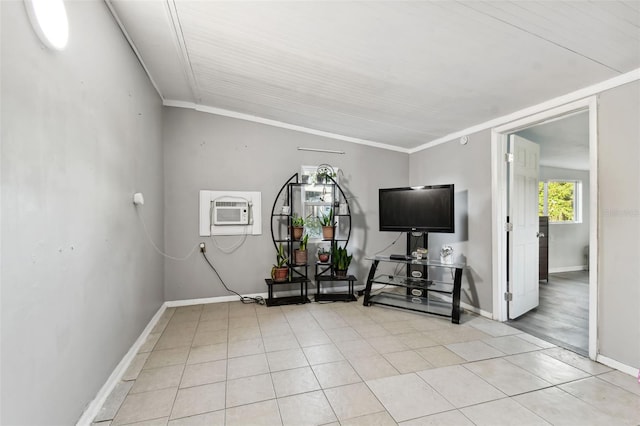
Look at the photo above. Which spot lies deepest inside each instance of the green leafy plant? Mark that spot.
(323, 172)
(341, 258)
(303, 242)
(280, 270)
(297, 221)
(326, 219)
(323, 177)
(281, 258)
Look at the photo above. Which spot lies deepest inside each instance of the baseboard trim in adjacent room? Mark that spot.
(617, 365)
(94, 406)
(567, 269)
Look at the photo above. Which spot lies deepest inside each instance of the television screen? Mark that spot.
(419, 208)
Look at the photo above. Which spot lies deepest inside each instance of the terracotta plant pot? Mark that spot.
(297, 232)
(301, 257)
(323, 257)
(279, 274)
(327, 232)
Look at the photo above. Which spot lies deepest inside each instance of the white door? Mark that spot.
(523, 216)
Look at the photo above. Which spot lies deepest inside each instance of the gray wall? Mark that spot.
(468, 167)
(80, 133)
(568, 240)
(205, 151)
(619, 218)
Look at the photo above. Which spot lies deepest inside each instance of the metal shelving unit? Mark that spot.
(291, 194)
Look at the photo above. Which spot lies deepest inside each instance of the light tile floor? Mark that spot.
(345, 364)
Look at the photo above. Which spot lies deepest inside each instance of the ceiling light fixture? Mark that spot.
(49, 21)
(330, 151)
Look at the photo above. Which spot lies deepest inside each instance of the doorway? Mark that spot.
(500, 192)
(560, 233)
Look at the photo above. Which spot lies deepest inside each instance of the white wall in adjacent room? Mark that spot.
(567, 241)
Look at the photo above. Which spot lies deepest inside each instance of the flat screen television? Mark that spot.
(418, 208)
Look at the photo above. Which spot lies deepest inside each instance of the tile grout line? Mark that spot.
(184, 367)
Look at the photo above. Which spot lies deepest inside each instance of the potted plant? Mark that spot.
(323, 172)
(327, 225)
(341, 260)
(300, 254)
(323, 255)
(280, 271)
(297, 227)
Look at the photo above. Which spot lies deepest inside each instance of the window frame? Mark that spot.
(577, 200)
(314, 230)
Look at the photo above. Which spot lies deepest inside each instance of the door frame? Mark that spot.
(499, 140)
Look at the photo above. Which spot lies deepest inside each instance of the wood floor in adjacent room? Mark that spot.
(563, 314)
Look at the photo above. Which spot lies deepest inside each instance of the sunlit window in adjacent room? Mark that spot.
(560, 200)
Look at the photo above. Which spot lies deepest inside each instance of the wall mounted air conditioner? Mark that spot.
(231, 212)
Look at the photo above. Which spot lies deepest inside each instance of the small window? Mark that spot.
(561, 200)
(317, 198)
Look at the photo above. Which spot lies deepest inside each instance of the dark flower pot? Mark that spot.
(341, 273)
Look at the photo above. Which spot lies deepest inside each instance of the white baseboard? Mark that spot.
(567, 269)
(94, 406)
(234, 298)
(476, 310)
(617, 365)
(206, 300)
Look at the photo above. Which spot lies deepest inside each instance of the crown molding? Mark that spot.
(535, 109)
(280, 124)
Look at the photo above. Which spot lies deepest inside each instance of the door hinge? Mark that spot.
(508, 296)
(508, 227)
(508, 157)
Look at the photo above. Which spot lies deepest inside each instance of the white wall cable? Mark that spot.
(237, 245)
(231, 248)
(144, 227)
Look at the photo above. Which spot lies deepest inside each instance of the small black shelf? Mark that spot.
(287, 300)
(335, 278)
(303, 281)
(335, 297)
(292, 280)
(323, 277)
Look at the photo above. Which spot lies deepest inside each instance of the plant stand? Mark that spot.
(288, 300)
(324, 275)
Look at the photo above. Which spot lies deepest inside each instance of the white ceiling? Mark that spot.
(563, 143)
(397, 73)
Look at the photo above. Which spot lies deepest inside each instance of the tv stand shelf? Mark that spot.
(437, 297)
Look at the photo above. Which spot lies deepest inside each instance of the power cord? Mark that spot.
(392, 243)
(244, 299)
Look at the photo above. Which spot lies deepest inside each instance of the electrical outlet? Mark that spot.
(203, 249)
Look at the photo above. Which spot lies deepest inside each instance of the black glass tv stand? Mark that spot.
(437, 295)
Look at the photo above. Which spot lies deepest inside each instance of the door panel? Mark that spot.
(523, 214)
